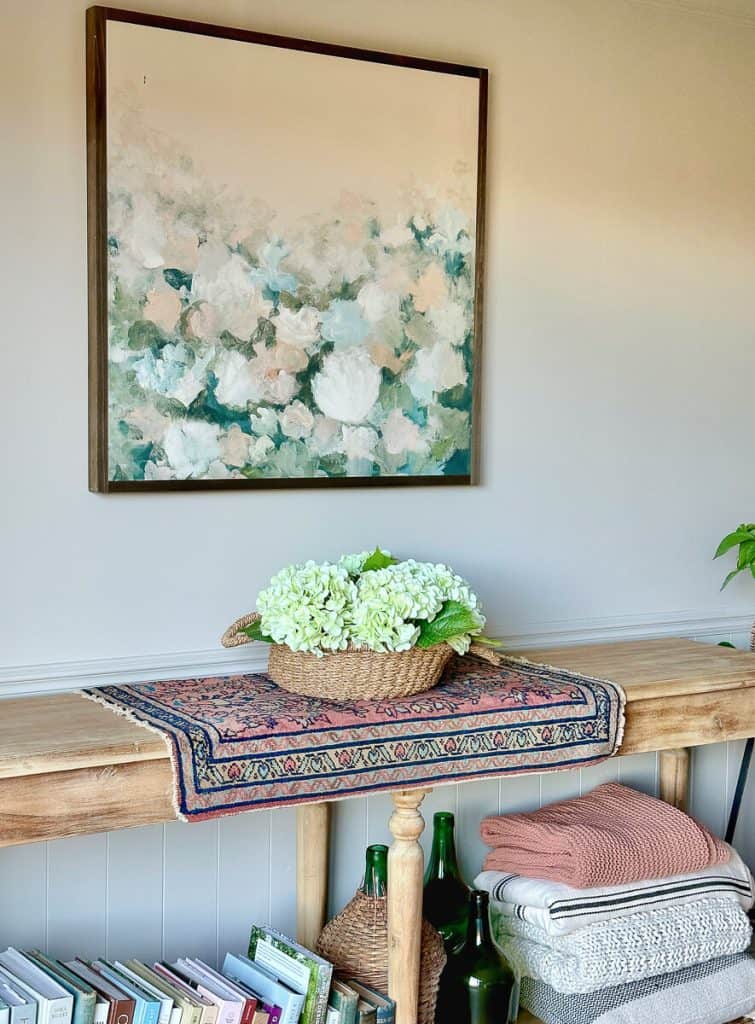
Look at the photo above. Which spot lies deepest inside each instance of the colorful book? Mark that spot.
(344, 999)
(167, 1006)
(385, 1007)
(333, 1016)
(256, 1010)
(54, 1003)
(208, 1012)
(84, 997)
(147, 1007)
(230, 1007)
(240, 968)
(366, 1012)
(191, 1011)
(296, 966)
(21, 1005)
(120, 1004)
(220, 983)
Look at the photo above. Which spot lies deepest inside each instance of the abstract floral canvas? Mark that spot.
(284, 260)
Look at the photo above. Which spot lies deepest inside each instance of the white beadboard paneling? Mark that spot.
(77, 881)
(558, 786)
(283, 869)
(597, 774)
(23, 896)
(640, 771)
(243, 879)
(708, 786)
(135, 893)
(348, 843)
(190, 890)
(476, 800)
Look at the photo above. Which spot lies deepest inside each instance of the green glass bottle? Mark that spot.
(479, 987)
(446, 897)
(375, 871)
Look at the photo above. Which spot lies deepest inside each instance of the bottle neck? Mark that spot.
(375, 871)
(443, 863)
(478, 932)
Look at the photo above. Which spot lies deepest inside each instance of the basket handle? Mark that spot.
(485, 653)
(233, 637)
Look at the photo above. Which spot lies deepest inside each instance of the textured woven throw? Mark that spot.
(240, 742)
(559, 909)
(611, 836)
(711, 993)
(627, 949)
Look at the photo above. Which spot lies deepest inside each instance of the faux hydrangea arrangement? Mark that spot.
(368, 601)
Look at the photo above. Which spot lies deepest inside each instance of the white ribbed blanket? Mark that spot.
(626, 949)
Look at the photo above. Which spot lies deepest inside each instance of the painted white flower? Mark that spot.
(400, 434)
(298, 329)
(434, 370)
(376, 302)
(296, 420)
(171, 375)
(224, 280)
(348, 385)
(264, 420)
(191, 446)
(451, 231)
(237, 384)
(450, 323)
(358, 442)
(259, 449)
(153, 471)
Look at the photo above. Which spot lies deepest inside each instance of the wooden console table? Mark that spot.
(70, 767)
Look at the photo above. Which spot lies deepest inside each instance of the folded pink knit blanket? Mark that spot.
(611, 836)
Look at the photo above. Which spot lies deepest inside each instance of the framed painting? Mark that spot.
(285, 253)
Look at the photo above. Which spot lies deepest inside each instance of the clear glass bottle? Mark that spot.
(375, 870)
(446, 896)
(479, 986)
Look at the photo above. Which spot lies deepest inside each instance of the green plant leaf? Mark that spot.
(254, 632)
(454, 619)
(746, 554)
(731, 540)
(730, 577)
(378, 560)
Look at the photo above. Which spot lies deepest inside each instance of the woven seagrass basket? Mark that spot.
(356, 943)
(352, 674)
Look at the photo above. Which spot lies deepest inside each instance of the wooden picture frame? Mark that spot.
(418, 350)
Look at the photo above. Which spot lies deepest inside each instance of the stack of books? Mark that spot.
(277, 982)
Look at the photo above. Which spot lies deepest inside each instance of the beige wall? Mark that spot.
(619, 354)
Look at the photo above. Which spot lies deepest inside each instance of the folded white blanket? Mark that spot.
(559, 909)
(711, 993)
(627, 949)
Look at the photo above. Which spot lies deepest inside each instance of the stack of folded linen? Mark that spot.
(620, 909)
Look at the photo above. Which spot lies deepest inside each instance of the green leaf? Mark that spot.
(731, 540)
(378, 560)
(730, 577)
(254, 632)
(454, 619)
(746, 554)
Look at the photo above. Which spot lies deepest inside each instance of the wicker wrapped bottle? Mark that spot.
(356, 940)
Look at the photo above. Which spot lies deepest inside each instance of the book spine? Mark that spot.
(324, 977)
(100, 1012)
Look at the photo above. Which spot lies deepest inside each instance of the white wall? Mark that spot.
(617, 417)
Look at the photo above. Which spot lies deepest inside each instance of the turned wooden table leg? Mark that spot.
(312, 835)
(405, 871)
(674, 777)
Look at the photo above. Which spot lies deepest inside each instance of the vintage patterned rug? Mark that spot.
(240, 742)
